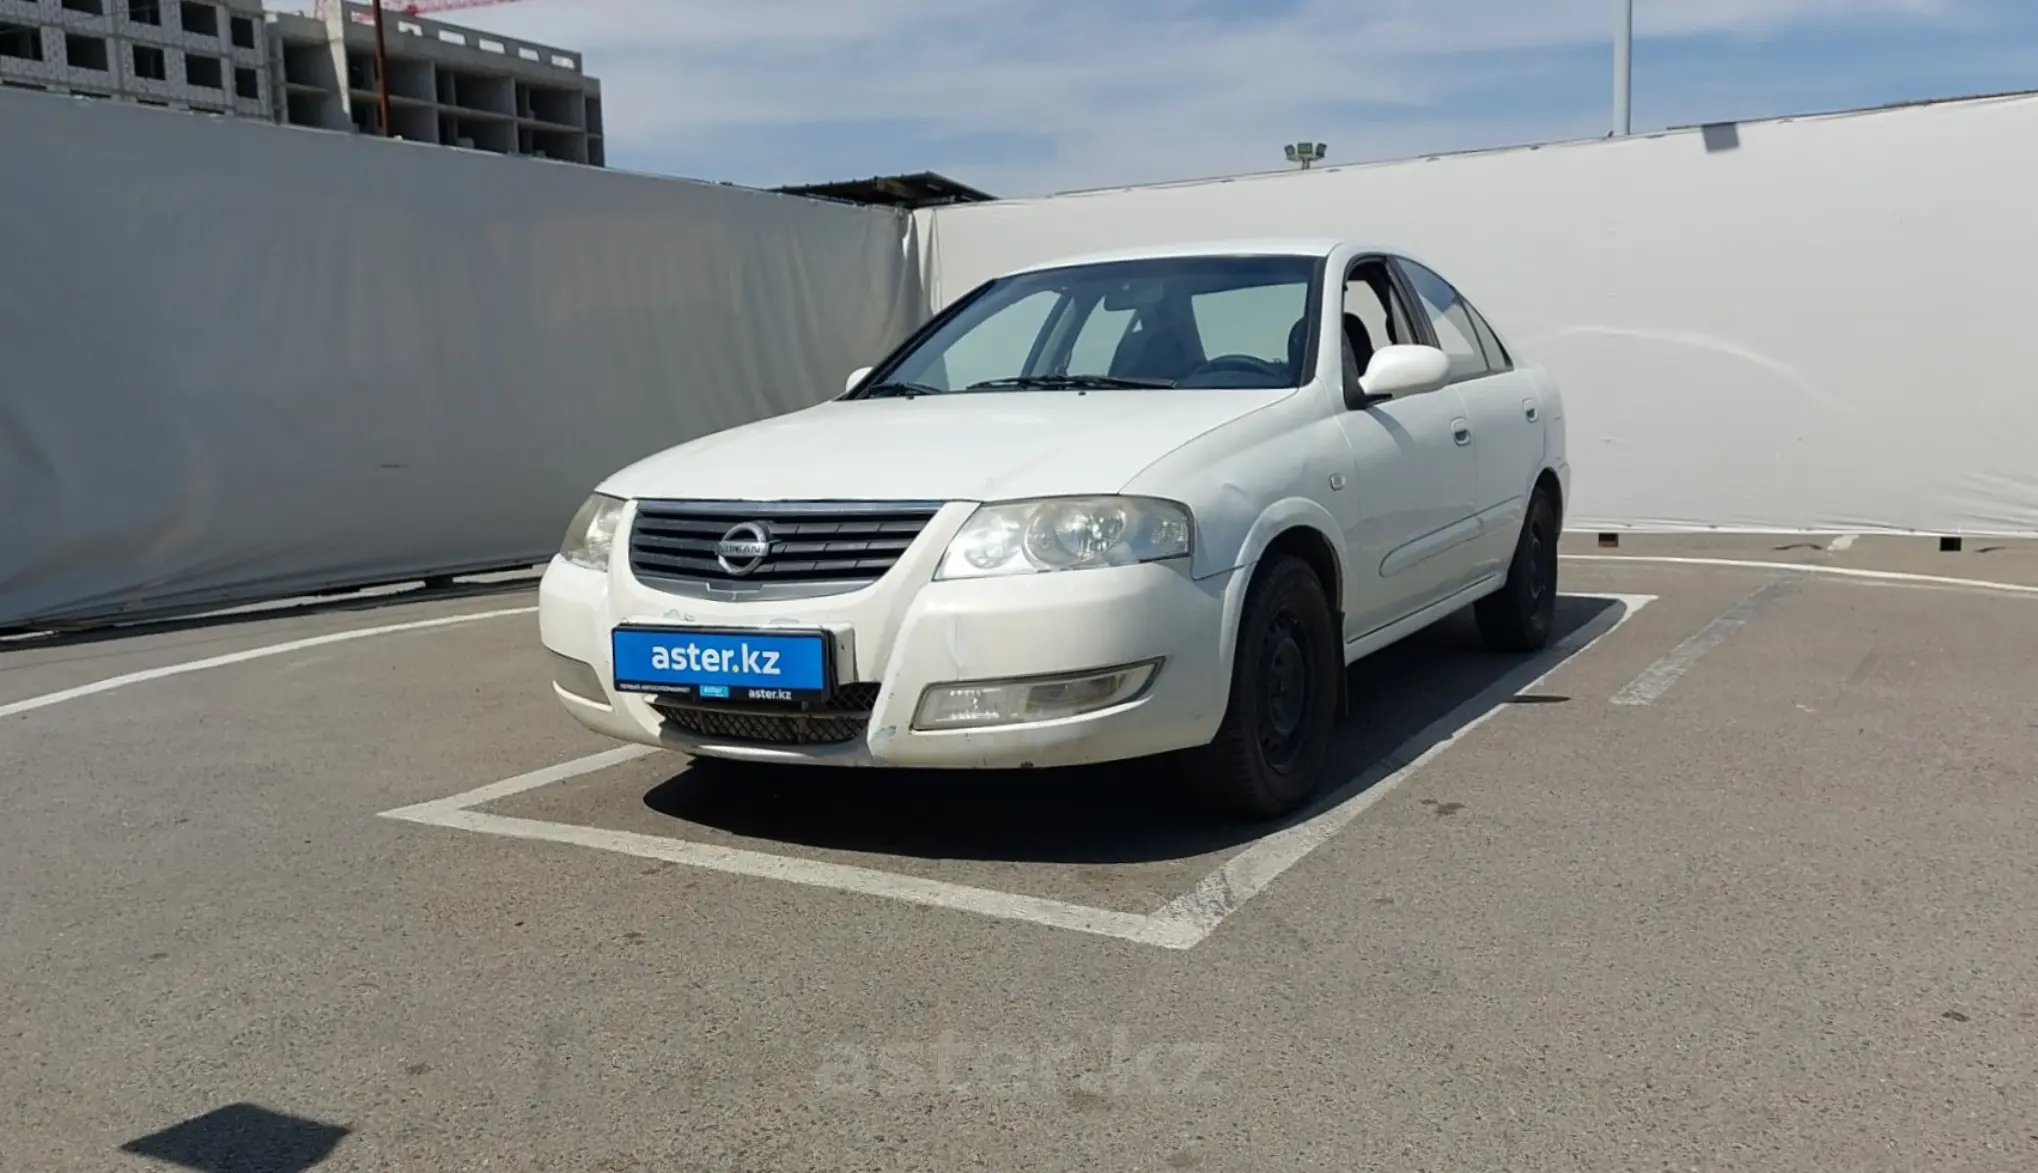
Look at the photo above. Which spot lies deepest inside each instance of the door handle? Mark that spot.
(1528, 408)
(1461, 432)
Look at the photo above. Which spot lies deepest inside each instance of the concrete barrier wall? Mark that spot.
(239, 360)
(1818, 324)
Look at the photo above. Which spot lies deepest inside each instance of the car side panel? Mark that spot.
(1556, 439)
(1408, 507)
(1504, 407)
(1507, 411)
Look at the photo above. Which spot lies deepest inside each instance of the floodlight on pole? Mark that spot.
(1623, 65)
(1305, 154)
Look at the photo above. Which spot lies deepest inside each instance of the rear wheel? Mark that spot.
(1267, 758)
(1518, 616)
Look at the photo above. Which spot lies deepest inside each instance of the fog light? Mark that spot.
(975, 704)
(578, 678)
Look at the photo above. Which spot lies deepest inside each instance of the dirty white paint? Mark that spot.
(1656, 679)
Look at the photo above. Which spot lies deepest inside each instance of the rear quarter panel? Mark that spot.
(1556, 455)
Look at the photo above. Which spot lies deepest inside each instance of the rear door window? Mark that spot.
(1451, 318)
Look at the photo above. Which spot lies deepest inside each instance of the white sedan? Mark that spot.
(1149, 502)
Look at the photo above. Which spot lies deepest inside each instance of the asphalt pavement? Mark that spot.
(1741, 875)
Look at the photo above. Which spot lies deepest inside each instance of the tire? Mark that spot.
(1518, 617)
(1286, 676)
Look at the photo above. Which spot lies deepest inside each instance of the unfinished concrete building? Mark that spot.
(447, 84)
(206, 55)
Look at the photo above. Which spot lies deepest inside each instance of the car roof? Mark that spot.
(1280, 246)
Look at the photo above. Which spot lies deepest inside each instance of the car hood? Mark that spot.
(964, 447)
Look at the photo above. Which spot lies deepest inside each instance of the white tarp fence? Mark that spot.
(239, 360)
(1819, 324)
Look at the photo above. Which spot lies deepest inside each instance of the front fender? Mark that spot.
(1248, 544)
(1278, 518)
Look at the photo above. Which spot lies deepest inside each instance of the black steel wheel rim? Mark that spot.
(1540, 564)
(1286, 670)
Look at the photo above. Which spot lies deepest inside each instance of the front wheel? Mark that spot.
(1267, 758)
(1518, 616)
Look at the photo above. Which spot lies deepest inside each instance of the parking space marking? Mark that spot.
(1895, 576)
(1182, 923)
(815, 873)
(1199, 911)
(1656, 679)
(457, 812)
(438, 808)
(241, 657)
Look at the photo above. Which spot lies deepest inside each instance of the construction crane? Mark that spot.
(414, 8)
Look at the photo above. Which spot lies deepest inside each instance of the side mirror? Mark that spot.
(855, 377)
(1403, 370)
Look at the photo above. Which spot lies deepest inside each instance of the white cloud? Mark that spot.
(1115, 91)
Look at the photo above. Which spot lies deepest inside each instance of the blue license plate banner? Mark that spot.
(721, 665)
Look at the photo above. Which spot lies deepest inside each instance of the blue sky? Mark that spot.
(1024, 97)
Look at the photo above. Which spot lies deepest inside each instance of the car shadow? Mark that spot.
(1125, 812)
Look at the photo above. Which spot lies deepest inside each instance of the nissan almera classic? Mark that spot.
(1137, 504)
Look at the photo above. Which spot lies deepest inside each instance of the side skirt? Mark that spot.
(1373, 641)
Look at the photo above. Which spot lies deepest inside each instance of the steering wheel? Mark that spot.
(1240, 362)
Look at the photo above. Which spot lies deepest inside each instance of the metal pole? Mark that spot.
(1623, 69)
(381, 71)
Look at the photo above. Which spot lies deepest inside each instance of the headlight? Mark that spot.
(1066, 533)
(592, 533)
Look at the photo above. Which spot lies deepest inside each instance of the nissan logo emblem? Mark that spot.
(742, 549)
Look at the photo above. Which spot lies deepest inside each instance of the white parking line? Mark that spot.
(1196, 913)
(1897, 576)
(1180, 924)
(439, 808)
(241, 657)
(458, 812)
(1656, 679)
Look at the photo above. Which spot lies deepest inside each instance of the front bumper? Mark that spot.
(905, 633)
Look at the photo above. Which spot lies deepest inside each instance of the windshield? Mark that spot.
(1204, 321)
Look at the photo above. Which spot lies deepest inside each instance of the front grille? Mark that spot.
(842, 717)
(821, 542)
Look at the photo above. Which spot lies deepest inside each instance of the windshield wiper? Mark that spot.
(902, 390)
(1067, 383)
